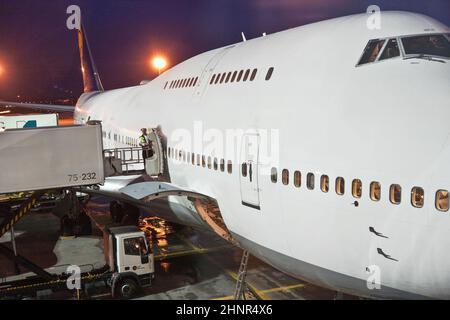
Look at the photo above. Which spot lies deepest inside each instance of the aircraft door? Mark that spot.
(249, 171)
(154, 165)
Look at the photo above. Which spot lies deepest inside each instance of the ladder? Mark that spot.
(24, 209)
(239, 292)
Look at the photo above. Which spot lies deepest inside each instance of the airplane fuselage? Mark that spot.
(322, 118)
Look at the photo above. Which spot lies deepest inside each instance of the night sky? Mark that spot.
(40, 56)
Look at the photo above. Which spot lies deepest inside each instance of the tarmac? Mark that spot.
(189, 264)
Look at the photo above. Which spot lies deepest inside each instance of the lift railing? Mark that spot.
(131, 159)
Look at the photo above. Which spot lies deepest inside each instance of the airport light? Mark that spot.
(159, 63)
(1, 70)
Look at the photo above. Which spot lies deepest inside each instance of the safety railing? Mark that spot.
(130, 158)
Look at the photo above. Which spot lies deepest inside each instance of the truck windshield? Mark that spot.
(429, 45)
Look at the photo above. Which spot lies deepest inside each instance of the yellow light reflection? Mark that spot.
(159, 63)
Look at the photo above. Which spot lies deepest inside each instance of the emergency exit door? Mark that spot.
(249, 171)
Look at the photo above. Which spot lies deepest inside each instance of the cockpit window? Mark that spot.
(432, 45)
(391, 50)
(372, 51)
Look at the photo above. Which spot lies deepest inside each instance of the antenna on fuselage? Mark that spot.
(243, 37)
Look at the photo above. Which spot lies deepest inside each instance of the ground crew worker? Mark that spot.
(146, 144)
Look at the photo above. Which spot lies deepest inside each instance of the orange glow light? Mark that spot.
(159, 63)
(1, 70)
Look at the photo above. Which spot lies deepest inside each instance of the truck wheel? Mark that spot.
(127, 288)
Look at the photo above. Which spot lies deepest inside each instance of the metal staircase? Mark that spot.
(239, 292)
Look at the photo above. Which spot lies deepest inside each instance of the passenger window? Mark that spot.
(230, 167)
(234, 76)
(375, 191)
(212, 79)
(357, 188)
(325, 183)
(395, 194)
(417, 197)
(222, 165)
(165, 86)
(195, 81)
(209, 163)
(269, 73)
(297, 179)
(217, 78)
(310, 181)
(340, 186)
(442, 203)
(285, 177)
(253, 76)
(247, 74)
(203, 161)
(244, 169)
(391, 50)
(216, 164)
(193, 159)
(371, 51)
(223, 77)
(228, 77)
(240, 75)
(274, 175)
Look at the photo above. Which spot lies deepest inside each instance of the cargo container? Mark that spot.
(51, 157)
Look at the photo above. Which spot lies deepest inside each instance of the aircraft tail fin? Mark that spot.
(91, 78)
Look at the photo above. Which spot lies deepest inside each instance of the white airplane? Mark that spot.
(354, 195)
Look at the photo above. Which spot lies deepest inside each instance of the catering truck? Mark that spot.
(46, 158)
(28, 121)
(129, 267)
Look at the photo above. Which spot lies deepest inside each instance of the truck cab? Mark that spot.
(130, 259)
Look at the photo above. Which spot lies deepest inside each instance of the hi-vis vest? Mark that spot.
(142, 140)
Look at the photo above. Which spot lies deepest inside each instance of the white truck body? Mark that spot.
(51, 157)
